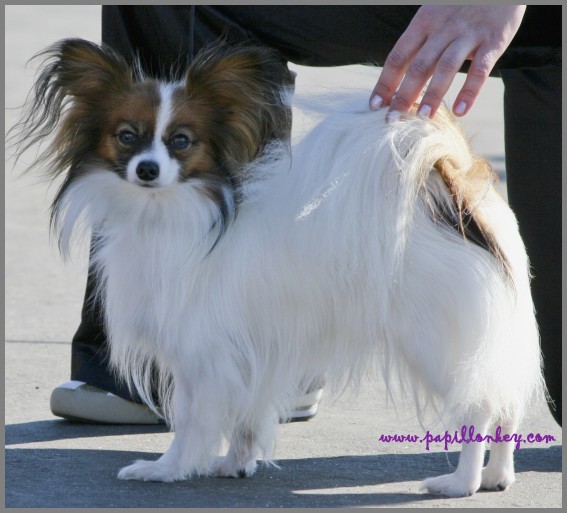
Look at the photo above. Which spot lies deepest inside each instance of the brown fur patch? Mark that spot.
(237, 90)
(138, 109)
(468, 188)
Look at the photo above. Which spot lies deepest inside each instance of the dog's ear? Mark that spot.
(79, 68)
(245, 93)
(74, 76)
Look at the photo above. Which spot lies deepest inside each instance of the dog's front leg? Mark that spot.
(240, 460)
(255, 438)
(196, 442)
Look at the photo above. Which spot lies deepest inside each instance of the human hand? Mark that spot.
(435, 45)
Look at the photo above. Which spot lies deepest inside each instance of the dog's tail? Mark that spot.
(439, 171)
(440, 180)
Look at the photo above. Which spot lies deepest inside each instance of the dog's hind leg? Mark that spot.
(466, 480)
(499, 472)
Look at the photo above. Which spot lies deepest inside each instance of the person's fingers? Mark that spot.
(437, 42)
(395, 68)
(448, 65)
(479, 71)
(418, 73)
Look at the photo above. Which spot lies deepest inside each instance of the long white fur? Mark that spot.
(331, 262)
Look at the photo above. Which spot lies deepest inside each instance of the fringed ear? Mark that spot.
(79, 68)
(75, 75)
(245, 93)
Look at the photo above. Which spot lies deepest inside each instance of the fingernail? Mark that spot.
(376, 102)
(392, 116)
(425, 111)
(460, 108)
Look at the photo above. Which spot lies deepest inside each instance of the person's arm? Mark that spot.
(435, 45)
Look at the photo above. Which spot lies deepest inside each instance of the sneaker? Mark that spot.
(79, 402)
(307, 406)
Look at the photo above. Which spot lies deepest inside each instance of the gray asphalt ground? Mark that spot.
(334, 460)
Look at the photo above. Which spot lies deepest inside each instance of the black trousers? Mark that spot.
(340, 35)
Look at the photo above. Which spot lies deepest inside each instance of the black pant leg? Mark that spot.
(89, 350)
(308, 35)
(532, 104)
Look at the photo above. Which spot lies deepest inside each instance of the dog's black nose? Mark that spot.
(147, 170)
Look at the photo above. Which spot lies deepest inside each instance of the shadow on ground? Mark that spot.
(51, 430)
(33, 476)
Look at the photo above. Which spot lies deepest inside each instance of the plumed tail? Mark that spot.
(443, 186)
(438, 172)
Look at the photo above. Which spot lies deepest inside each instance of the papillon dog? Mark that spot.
(235, 267)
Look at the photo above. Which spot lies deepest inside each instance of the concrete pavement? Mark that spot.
(335, 460)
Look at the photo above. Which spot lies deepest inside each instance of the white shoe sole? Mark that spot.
(308, 404)
(79, 402)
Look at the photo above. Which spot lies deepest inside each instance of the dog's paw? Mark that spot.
(497, 479)
(450, 485)
(143, 470)
(227, 467)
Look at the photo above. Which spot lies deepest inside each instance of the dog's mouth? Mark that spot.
(143, 184)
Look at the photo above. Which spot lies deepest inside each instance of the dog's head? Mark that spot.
(230, 102)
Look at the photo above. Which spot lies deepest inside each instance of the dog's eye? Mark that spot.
(127, 136)
(179, 142)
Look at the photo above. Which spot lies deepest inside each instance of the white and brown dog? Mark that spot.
(241, 268)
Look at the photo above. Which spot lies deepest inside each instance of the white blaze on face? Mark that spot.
(158, 153)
